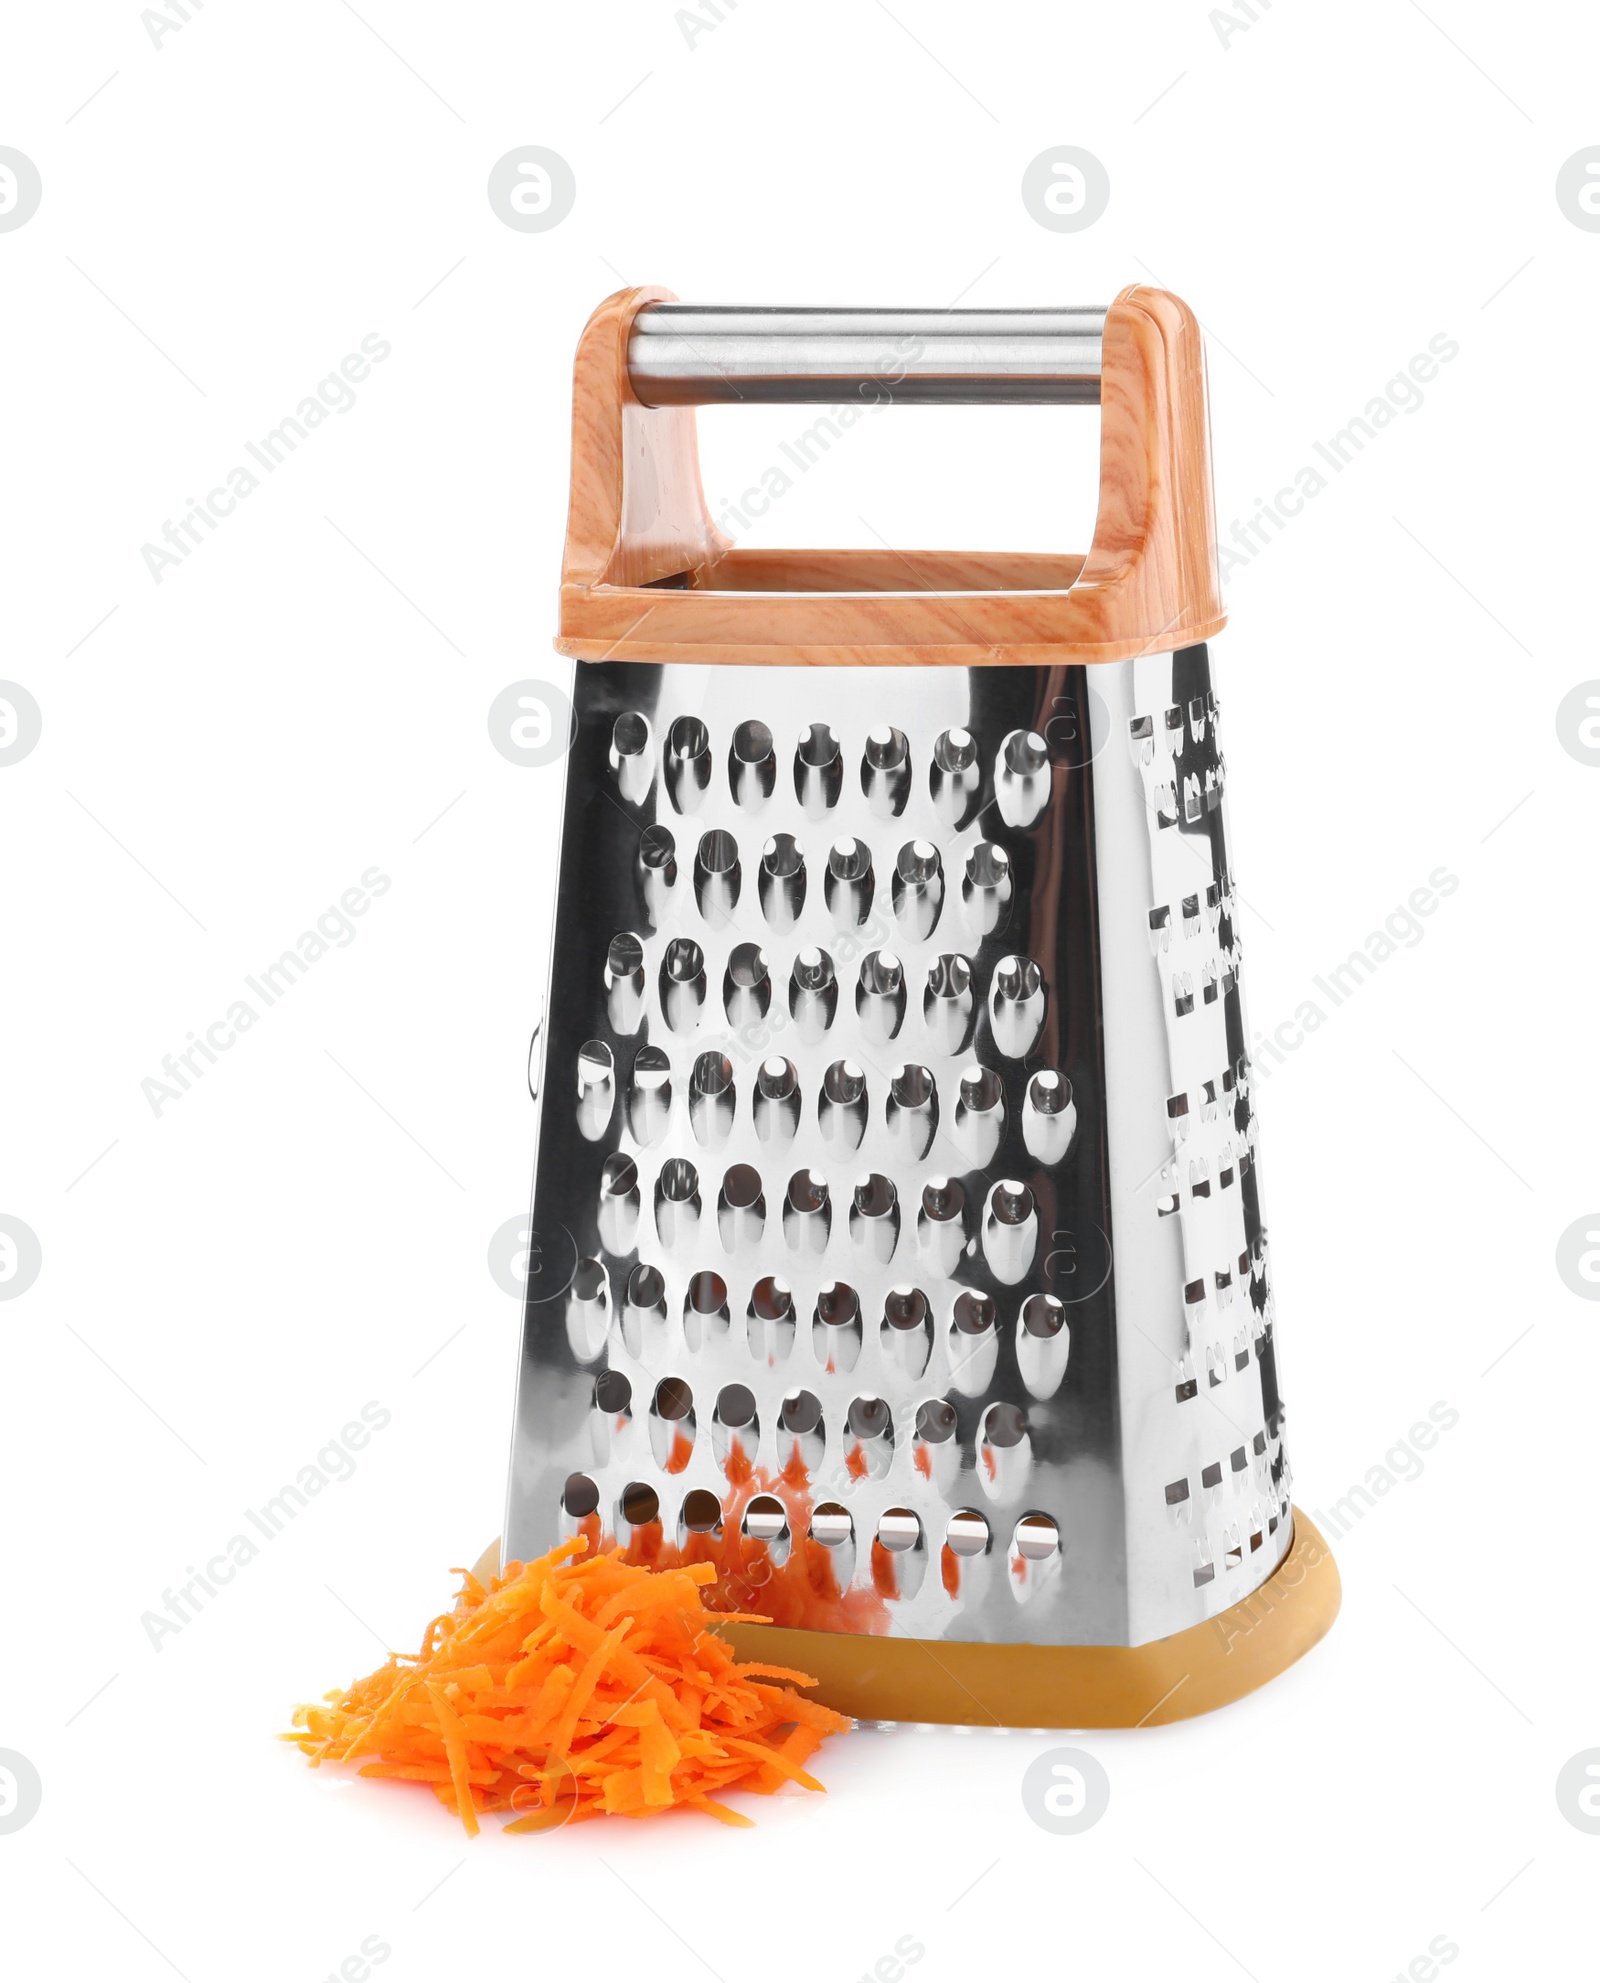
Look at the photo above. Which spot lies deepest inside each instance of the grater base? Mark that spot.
(972, 1684)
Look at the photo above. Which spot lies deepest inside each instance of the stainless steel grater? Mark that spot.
(897, 1236)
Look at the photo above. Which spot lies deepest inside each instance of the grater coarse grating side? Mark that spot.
(896, 1241)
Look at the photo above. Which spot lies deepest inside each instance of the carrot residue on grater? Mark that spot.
(577, 1686)
(790, 1579)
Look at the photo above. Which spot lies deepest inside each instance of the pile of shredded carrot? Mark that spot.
(575, 1687)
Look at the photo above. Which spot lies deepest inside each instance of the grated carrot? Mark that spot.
(577, 1686)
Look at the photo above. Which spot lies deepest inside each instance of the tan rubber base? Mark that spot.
(1020, 1686)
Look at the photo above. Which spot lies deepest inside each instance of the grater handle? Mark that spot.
(684, 354)
(648, 575)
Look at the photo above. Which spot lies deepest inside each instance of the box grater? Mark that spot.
(897, 1233)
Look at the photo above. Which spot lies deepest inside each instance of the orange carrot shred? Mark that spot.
(455, 1749)
(721, 1811)
(576, 1686)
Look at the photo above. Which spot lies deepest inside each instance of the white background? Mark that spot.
(305, 697)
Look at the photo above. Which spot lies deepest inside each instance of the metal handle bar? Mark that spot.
(685, 354)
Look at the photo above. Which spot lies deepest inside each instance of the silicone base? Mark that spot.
(1022, 1686)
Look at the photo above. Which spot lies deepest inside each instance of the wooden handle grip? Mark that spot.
(648, 576)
